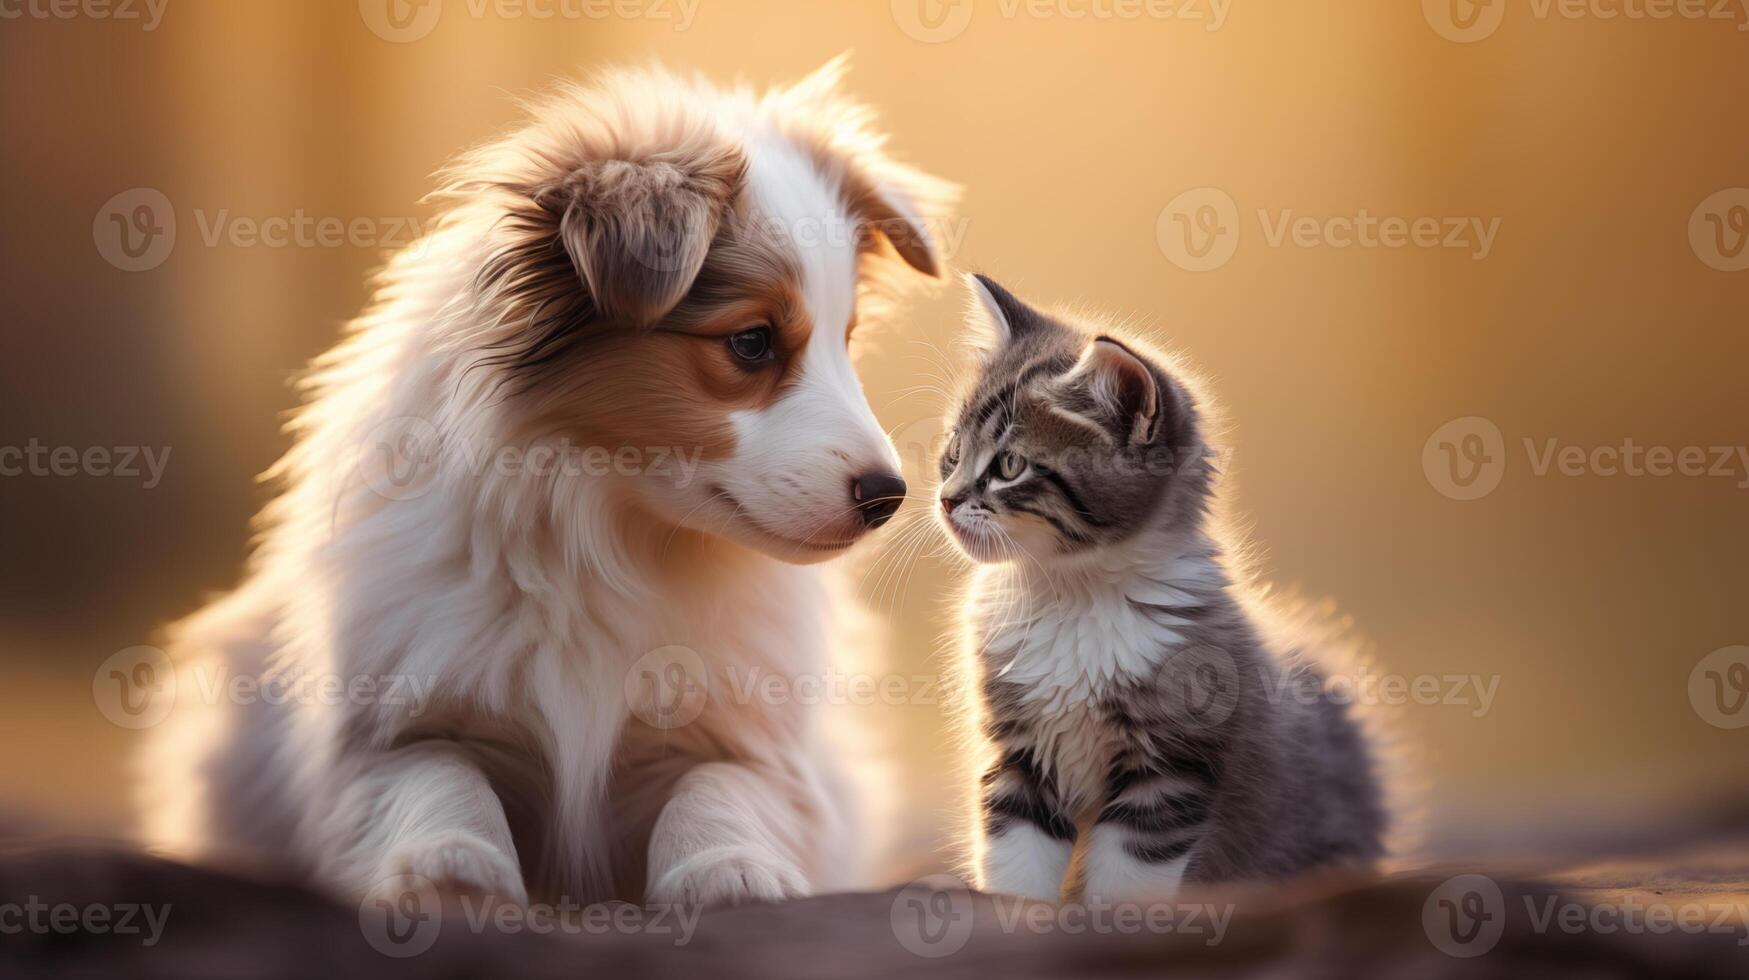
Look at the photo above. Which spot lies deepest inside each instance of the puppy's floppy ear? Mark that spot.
(889, 204)
(1122, 387)
(896, 201)
(638, 230)
(997, 316)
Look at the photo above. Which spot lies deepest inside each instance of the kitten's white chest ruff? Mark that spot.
(1069, 647)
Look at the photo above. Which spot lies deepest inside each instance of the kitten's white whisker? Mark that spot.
(917, 532)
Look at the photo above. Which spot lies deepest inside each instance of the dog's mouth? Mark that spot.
(746, 520)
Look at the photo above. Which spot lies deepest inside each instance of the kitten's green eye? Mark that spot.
(951, 452)
(1009, 465)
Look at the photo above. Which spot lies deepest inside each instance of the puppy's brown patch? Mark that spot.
(623, 256)
(612, 384)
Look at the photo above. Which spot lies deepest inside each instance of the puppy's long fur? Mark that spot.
(574, 306)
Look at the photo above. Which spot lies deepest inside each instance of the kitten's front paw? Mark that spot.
(459, 862)
(732, 878)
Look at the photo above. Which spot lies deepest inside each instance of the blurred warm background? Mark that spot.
(1593, 318)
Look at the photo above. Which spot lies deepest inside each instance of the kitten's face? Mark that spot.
(1067, 443)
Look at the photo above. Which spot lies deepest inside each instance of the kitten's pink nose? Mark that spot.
(949, 503)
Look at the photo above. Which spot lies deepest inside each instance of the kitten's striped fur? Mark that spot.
(1130, 701)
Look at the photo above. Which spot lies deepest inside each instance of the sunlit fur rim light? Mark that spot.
(1286, 618)
(564, 294)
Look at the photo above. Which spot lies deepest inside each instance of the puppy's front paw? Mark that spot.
(732, 878)
(459, 862)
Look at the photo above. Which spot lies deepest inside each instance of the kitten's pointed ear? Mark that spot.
(997, 317)
(1123, 388)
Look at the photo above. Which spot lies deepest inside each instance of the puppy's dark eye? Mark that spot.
(1009, 465)
(752, 345)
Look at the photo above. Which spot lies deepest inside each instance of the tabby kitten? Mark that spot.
(1129, 695)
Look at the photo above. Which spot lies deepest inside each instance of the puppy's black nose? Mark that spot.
(878, 496)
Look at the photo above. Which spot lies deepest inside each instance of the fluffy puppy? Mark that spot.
(550, 507)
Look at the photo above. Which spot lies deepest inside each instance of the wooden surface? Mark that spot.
(218, 925)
